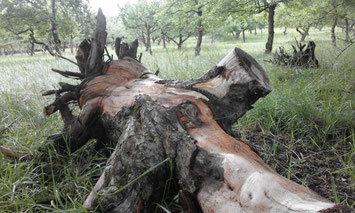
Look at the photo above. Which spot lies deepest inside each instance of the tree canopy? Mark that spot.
(58, 22)
(38, 20)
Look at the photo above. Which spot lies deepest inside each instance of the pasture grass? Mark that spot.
(306, 122)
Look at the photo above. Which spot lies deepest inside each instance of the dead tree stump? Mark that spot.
(173, 130)
(300, 57)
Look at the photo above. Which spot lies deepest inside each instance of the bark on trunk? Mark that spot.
(347, 35)
(180, 40)
(212, 37)
(332, 32)
(304, 33)
(164, 42)
(149, 46)
(271, 32)
(64, 46)
(54, 24)
(236, 35)
(243, 33)
(144, 41)
(71, 45)
(166, 132)
(32, 47)
(200, 32)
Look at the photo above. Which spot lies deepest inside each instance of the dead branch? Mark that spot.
(69, 74)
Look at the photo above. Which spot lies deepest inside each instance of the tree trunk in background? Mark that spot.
(255, 32)
(285, 31)
(55, 27)
(200, 32)
(164, 42)
(332, 32)
(144, 41)
(32, 47)
(64, 47)
(32, 42)
(243, 34)
(271, 32)
(212, 37)
(149, 45)
(236, 35)
(305, 33)
(71, 44)
(347, 36)
(179, 44)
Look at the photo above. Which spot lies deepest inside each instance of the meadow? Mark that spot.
(304, 129)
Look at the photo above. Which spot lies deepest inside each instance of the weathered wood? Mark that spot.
(69, 74)
(117, 46)
(95, 63)
(60, 102)
(300, 57)
(82, 54)
(14, 154)
(126, 50)
(65, 87)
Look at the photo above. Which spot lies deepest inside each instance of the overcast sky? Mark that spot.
(109, 7)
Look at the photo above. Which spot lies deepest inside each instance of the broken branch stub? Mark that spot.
(126, 50)
(95, 62)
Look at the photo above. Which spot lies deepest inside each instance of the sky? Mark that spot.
(109, 7)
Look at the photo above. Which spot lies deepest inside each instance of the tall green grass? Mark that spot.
(313, 105)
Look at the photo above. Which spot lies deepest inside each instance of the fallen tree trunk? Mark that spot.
(150, 122)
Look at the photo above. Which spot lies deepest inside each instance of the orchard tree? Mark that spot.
(24, 20)
(249, 7)
(298, 14)
(304, 14)
(197, 10)
(238, 25)
(38, 20)
(338, 13)
(141, 19)
(174, 26)
(74, 20)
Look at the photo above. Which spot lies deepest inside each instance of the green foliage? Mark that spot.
(176, 24)
(141, 21)
(21, 18)
(140, 17)
(303, 13)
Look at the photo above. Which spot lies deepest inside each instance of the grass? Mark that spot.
(304, 129)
